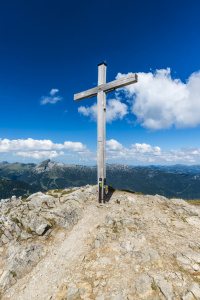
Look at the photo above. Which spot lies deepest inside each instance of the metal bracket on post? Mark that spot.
(100, 190)
(104, 191)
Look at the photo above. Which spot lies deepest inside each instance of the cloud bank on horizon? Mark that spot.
(41, 149)
(136, 153)
(157, 100)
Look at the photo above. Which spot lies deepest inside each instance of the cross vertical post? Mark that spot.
(100, 91)
(101, 134)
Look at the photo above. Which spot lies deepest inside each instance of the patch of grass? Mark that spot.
(28, 230)
(117, 201)
(66, 193)
(16, 220)
(52, 222)
(181, 269)
(8, 211)
(13, 273)
(114, 222)
(19, 238)
(115, 229)
(184, 220)
(139, 193)
(154, 287)
(132, 192)
(51, 195)
(132, 228)
(58, 191)
(196, 279)
(194, 201)
(25, 200)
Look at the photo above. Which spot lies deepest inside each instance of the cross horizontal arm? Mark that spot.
(107, 87)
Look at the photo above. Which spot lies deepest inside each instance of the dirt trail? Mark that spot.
(133, 247)
(66, 252)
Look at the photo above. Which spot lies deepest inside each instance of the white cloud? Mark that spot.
(90, 111)
(114, 110)
(51, 98)
(159, 101)
(28, 145)
(113, 145)
(53, 92)
(145, 153)
(39, 154)
(74, 146)
(41, 148)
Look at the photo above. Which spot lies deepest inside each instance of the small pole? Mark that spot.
(101, 133)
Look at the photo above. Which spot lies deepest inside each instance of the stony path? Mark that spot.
(45, 279)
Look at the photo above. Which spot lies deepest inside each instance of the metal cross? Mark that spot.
(100, 91)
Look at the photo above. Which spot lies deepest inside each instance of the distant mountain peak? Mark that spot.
(43, 166)
(3, 163)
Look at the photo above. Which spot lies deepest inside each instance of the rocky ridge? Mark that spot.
(63, 245)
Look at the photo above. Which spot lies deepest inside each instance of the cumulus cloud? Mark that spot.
(53, 92)
(51, 98)
(115, 110)
(113, 145)
(75, 146)
(145, 153)
(90, 111)
(40, 154)
(41, 148)
(159, 101)
(28, 145)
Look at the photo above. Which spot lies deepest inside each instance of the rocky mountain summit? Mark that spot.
(64, 245)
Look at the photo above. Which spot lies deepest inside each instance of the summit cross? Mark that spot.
(100, 91)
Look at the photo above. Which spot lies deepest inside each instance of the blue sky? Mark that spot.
(49, 50)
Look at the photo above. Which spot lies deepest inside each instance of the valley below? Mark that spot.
(177, 181)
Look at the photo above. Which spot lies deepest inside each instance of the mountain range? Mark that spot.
(178, 181)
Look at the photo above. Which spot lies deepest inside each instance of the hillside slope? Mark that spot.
(64, 245)
(8, 188)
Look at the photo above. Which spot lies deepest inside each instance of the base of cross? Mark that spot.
(102, 190)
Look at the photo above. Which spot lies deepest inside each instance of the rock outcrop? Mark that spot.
(64, 245)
